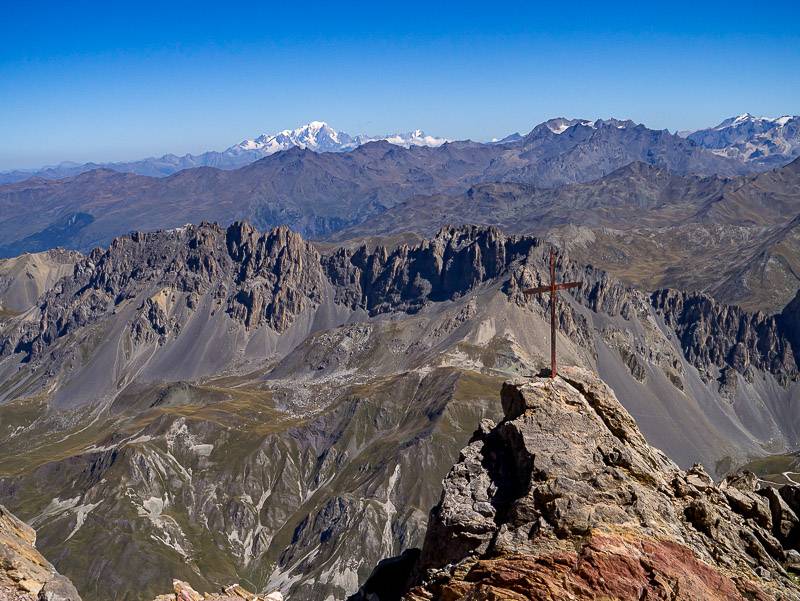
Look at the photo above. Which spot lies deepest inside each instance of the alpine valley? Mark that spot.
(306, 366)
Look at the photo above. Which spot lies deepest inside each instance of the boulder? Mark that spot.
(59, 588)
(785, 523)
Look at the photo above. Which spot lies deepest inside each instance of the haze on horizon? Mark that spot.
(91, 81)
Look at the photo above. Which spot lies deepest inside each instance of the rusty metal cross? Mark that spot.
(552, 288)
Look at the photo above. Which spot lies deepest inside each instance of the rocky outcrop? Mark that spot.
(260, 278)
(268, 279)
(278, 276)
(183, 591)
(564, 499)
(443, 268)
(24, 574)
(717, 336)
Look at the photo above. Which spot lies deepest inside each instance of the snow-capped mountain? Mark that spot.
(764, 140)
(412, 138)
(316, 135)
(321, 137)
(746, 143)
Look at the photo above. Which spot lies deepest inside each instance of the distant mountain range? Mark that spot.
(644, 202)
(319, 193)
(316, 135)
(758, 142)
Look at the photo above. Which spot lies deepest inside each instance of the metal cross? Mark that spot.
(552, 288)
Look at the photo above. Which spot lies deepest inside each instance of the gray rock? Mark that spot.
(793, 560)
(569, 466)
(25, 575)
(59, 589)
(785, 523)
(715, 335)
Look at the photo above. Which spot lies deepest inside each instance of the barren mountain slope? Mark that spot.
(23, 279)
(223, 404)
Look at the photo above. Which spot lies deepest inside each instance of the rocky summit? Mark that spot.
(564, 499)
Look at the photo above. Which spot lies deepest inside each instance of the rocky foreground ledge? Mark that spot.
(25, 575)
(564, 499)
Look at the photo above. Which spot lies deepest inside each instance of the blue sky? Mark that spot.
(122, 80)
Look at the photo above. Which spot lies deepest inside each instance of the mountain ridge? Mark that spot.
(320, 193)
(767, 141)
(762, 142)
(315, 135)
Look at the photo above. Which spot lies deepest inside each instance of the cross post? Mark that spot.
(552, 289)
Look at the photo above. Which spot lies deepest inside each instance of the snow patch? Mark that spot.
(153, 507)
(81, 511)
(387, 543)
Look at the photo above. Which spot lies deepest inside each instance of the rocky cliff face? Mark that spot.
(24, 574)
(446, 267)
(269, 279)
(256, 278)
(564, 499)
(714, 335)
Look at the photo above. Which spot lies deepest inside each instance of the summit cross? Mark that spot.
(552, 289)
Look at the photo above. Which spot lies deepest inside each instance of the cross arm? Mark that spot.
(538, 290)
(543, 289)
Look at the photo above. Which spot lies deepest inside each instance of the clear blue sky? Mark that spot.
(122, 80)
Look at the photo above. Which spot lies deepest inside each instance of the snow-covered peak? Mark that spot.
(321, 137)
(769, 140)
(316, 135)
(746, 119)
(412, 138)
(559, 125)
